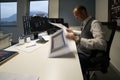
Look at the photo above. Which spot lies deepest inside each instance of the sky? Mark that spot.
(8, 9)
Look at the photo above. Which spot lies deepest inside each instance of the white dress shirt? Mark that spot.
(98, 42)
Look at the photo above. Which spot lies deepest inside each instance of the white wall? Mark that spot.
(102, 15)
(54, 8)
(102, 10)
(115, 51)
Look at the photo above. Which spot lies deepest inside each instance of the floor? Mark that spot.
(112, 74)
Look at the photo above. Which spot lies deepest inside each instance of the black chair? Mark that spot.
(100, 62)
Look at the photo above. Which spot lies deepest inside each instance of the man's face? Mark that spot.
(77, 15)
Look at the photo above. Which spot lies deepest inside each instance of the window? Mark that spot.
(8, 12)
(39, 8)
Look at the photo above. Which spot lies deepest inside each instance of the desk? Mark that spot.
(38, 63)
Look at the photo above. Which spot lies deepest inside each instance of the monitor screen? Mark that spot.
(38, 24)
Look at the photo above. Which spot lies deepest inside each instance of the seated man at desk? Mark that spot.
(90, 37)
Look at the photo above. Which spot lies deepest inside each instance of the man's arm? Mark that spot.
(98, 42)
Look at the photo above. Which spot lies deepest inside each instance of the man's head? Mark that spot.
(80, 12)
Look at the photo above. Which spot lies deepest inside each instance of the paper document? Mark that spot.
(58, 41)
(59, 44)
(15, 76)
(60, 26)
(28, 47)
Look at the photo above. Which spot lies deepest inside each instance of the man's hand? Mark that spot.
(72, 36)
(69, 30)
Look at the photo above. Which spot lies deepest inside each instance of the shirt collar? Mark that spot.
(86, 20)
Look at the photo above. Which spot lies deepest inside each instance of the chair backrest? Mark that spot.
(102, 58)
(111, 28)
(5, 40)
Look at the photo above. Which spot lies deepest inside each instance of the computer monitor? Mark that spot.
(38, 24)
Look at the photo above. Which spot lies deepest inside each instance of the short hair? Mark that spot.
(81, 8)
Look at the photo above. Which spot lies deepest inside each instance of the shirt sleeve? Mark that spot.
(98, 42)
(76, 32)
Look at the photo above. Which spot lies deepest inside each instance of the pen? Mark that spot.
(30, 45)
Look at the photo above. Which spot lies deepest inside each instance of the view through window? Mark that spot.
(39, 8)
(8, 12)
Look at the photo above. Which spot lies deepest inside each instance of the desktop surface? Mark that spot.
(37, 63)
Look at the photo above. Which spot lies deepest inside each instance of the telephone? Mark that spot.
(41, 40)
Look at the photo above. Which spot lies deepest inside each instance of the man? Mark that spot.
(90, 38)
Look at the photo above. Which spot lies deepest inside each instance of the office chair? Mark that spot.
(5, 40)
(100, 62)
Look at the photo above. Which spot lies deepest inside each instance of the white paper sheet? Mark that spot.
(28, 47)
(60, 26)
